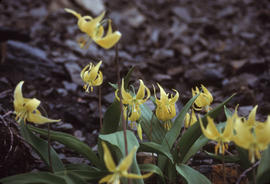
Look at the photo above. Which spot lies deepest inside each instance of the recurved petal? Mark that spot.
(83, 72)
(210, 131)
(106, 178)
(73, 13)
(127, 98)
(127, 161)
(94, 72)
(36, 117)
(136, 176)
(175, 98)
(98, 80)
(109, 40)
(32, 104)
(108, 158)
(243, 136)
(228, 131)
(93, 25)
(252, 116)
(163, 95)
(262, 133)
(139, 131)
(18, 96)
(208, 94)
(141, 91)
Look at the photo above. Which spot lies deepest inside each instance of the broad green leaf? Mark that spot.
(87, 172)
(41, 148)
(111, 118)
(117, 140)
(151, 126)
(199, 143)
(194, 132)
(72, 143)
(152, 168)
(71, 177)
(263, 172)
(227, 158)
(155, 148)
(33, 178)
(191, 175)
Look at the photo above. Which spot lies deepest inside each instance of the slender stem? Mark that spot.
(254, 175)
(121, 103)
(99, 107)
(223, 169)
(49, 148)
(246, 171)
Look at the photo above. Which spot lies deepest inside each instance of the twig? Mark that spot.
(246, 171)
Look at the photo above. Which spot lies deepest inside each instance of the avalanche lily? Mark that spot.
(91, 76)
(165, 110)
(204, 99)
(26, 108)
(121, 170)
(189, 121)
(93, 27)
(212, 133)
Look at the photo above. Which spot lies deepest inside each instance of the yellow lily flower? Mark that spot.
(190, 121)
(94, 29)
(91, 76)
(252, 135)
(26, 108)
(165, 110)
(204, 100)
(212, 133)
(121, 170)
(135, 101)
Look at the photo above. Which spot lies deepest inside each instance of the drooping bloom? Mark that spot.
(91, 76)
(204, 99)
(165, 110)
(211, 132)
(189, 121)
(26, 108)
(133, 102)
(121, 170)
(251, 135)
(93, 27)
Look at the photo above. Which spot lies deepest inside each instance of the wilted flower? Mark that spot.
(211, 132)
(26, 108)
(189, 121)
(121, 170)
(165, 110)
(93, 27)
(204, 99)
(251, 135)
(91, 76)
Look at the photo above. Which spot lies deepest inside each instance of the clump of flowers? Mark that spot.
(204, 99)
(121, 170)
(165, 110)
(94, 29)
(133, 103)
(91, 76)
(26, 108)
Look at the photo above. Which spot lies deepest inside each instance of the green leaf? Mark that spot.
(194, 132)
(72, 143)
(115, 86)
(152, 168)
(41, 148)
(263, 172)
(227, 158)
(117, 139)
(191, 175)
(71, 177)
(111, 118)
(199, 143)
(151, 125)
(227, 111)
(33, 178)
(155, 148)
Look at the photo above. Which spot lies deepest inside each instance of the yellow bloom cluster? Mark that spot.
(246, 133)
(26, 108)
(93, 27)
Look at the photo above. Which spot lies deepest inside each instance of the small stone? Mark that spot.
(70, 86)
(74, 71)
(163, 54)
(62, 92)
(199, 56)
(182, 13)
(94, 6)
(134, 17)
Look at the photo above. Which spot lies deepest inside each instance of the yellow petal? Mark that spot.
(127, 98)
(139, 131)
(83, 71)
(252, 117)
(208, 94)
(108, 41)
(94, 71)
(92, 27)
(163, 95)
(243, 136)
(106, 178)
(73, 12)
(211, 131)
(228, 131)
(32, 104)
(141, 91)
(135, 113)
(108, 158)
(175, 98)
(187, 120)
(18, 96)
(136, 176)
(127, 161)
(36, 117)
(99, 79)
